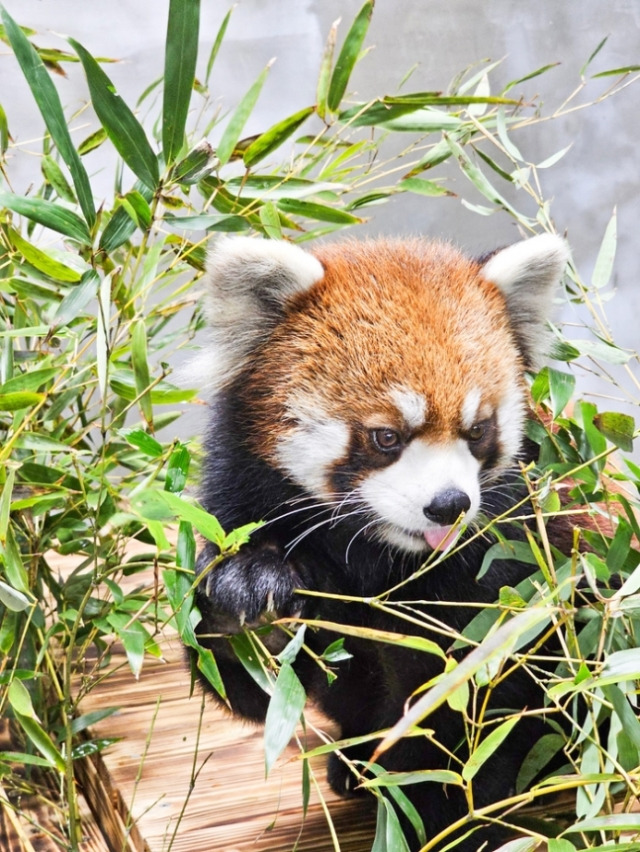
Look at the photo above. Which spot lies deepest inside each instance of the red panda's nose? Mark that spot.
(447, 506)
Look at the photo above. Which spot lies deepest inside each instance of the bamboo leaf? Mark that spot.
(617, 427)
(77, 299)
(181, 53)
(283, 715)
(43, 262)
(4, 131)
(144, 442)
(54, 176)
(324, 77)
(12, 598)
(177, 469)
(232, 131)
(118, 230)
(20, 700)
(163, 506)
(272, 138)
(422, 187)
(418, 643)
(46, 97)
(487, 747)
(50, 215)
(321, 212)
(121, 125)
(216, 44)
(348, 56)
(42, 741)
(607, 254)
(19, 399)
(102, 334)
(140, 365)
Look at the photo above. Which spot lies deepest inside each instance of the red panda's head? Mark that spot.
(387, 375)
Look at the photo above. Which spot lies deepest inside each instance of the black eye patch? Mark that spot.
(483, 440)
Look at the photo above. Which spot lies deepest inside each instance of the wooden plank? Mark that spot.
(192, 777)
(30, 817)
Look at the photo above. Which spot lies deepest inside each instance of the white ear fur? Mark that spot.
(249, 282)
(528, 273)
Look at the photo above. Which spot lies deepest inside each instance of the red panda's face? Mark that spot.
(390, 385)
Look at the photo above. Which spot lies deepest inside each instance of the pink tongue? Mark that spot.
(438, 538)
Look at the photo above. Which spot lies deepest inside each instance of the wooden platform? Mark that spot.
(193, 779)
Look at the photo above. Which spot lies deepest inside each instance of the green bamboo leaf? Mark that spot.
(389, 834)
(77, 299)
(103, 319)
(593, 55)
(4, 131)
(607, 254)
(121, 125)
(324, 77)
(47, 213)
(608, 822)
(538, 757)
(399, 779)
(561, 388)
(19, 400)
(20, 699)
(177, 469)
(140, 364)
(43, 262)
(12, 598)
(618, 428)
(93, 141)
(186, 548)
(164, 506)
(15, 571)
(46, 97)
(54, 176)
(181, 53)
(477, 178)
(321, 212)
(487, 748)
(348, 56)
(137, 208)
(271, 221)
(144, 442)
(42, 741)
(272, 138)
(617, 72)
(283, 714)
(405, 640)
(198, 163)
(207, 222)
(216, 45)
(232, 131)
(422, 187)
(118, 229)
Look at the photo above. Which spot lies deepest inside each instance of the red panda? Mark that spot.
(369, 405)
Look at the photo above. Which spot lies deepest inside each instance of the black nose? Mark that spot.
(447, 506)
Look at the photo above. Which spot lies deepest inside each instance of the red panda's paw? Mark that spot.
(255, 586)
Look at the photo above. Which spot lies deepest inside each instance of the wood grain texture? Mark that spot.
(166, 739)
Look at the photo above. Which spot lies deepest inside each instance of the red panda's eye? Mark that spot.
(385, 440)
(476, 432)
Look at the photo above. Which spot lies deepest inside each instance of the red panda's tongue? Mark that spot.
(438, 538)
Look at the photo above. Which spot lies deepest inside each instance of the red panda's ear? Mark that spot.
(249, 282)
(529, 273)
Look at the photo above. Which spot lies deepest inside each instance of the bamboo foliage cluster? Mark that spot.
(97, 297)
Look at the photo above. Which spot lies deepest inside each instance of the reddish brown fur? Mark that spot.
(361, 331)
